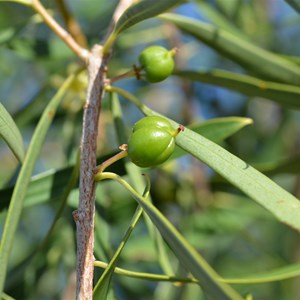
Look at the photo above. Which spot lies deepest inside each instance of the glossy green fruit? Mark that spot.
(157, 62)
(152, 141)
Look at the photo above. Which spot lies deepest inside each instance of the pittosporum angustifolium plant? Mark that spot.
(189, 209)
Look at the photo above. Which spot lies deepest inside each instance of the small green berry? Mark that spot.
(152, 141)
(157, 62)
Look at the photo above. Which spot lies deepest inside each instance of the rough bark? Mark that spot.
(84, 216)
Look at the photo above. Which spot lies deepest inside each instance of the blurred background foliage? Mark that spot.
(236, 236)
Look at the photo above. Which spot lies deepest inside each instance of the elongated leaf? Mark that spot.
(49, 185)
(216, 130)
(260, 61)
(263, 190)
(141, 11)
(284, 94)
(138, 182)
(219, 129)
(101, 289)
(260, 188)
(187, 255)
(16, 203)
(11, 134)
(136, 13)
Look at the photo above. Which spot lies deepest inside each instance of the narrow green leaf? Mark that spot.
(136, 13)
(284, 94)
(267, 193)
(263, 190)
(141, 11)
(219, 129)
(102, 287)
(187, 254)
(216, 130)
(16, 203)
(11, 134)
(138, 182)
(256, 59)
(48, 186)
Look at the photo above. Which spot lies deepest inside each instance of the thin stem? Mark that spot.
(146, 276)
(82, 53)
(100, 168)
(130, 73)
(136, 101)
(71, 24)
(132, 225)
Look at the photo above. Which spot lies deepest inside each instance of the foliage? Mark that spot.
(220, 218)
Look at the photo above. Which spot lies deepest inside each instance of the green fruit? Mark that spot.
(157, 62)
(152, 141)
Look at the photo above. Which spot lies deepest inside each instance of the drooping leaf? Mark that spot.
(188, 256)
(101, 289)
(16, 203)
(260, 61)
(283, 205)
(11, 134)
(284, 94)
(259, 187)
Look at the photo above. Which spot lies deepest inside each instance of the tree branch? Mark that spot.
(84, 216)
(71, 24)
(82, 53)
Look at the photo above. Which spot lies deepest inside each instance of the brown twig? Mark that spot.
(71, 24)
(82, 53)
(84, 216)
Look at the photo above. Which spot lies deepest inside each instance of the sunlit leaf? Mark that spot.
(263, 190)
(216, 130)
(139, 12)
(188, 256)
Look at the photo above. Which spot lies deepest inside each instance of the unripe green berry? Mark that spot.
(152, 142)
(157, 62)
